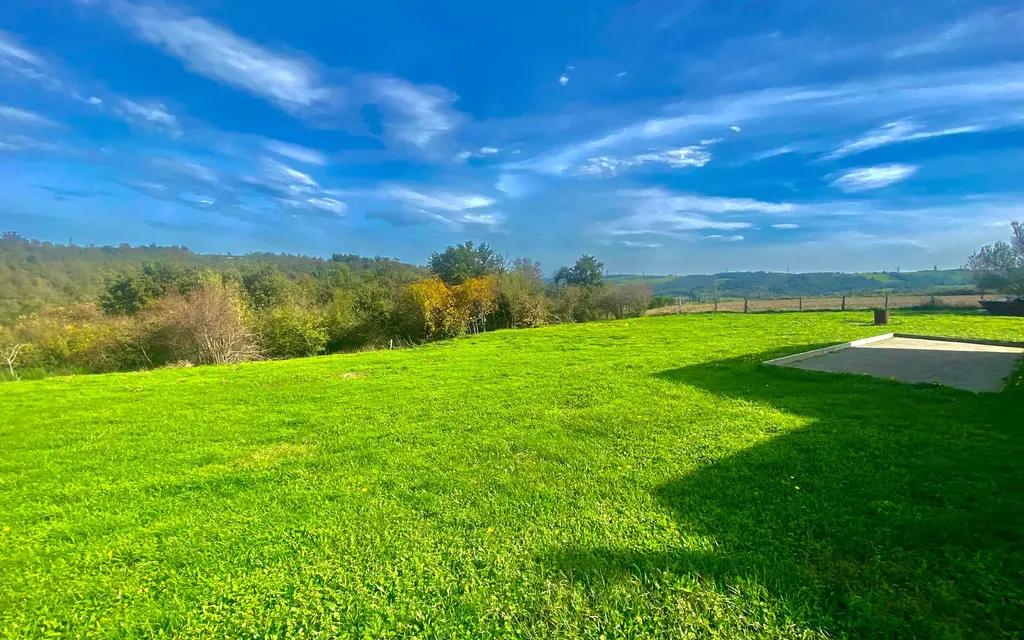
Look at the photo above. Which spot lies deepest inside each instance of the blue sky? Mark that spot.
(665, 137)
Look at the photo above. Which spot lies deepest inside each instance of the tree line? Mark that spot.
(74, 309)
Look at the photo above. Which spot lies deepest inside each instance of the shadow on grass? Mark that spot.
(907, 521)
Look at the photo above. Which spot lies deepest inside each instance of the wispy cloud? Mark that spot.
(722, 238)
(659, 212)
(415, 114)
(20, 60)
(22, 143)
(785, 225)
(867, 178)
(513, 185)
(986, 97)
(692, 156)
(21, 116)
(482, 152)
(633, 244)
(210, 50)
(772, 153)
(981, 29)
(153, 114)
(895, 133)
(296, 152)
(451, 209)
(282, 181)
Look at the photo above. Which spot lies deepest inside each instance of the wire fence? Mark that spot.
(831, 303)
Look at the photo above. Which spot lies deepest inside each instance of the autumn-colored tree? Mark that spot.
(475, 299)
(432, 311)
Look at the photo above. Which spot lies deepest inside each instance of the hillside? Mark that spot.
(638, 478)
(762, 284)
(36, 275)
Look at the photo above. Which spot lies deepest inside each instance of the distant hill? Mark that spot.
(763, 284)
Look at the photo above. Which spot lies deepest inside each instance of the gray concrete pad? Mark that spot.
(975, 367)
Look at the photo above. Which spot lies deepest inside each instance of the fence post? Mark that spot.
(933, 300)
(844, 304)
(801, 308)
(744, 305)
(716, 304)
(886, 300)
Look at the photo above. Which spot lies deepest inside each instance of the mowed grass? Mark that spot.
(641, 478)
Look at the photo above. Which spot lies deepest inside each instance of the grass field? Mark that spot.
(641, 478)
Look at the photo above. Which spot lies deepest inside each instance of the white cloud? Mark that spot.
(987, 96)
(707, 141)
(785, 225)
(451, 209)
(978, 30)
(188, 169)
(771, 153)
(95, 101)
(563, 80)
(282, 173)
(212, 51)
(894, 133)
(659, 212)
(513, 185)
(24, 143)
(416, 114)
(296, 152)
(620, 74)
(153, 113)
(327, 204)
(21, 61)
(24, 117)
(466, 154)
(640, 245)
(735, 128)
(17, 58)
(683, 157)
(692, 156)
(875, 177)
(722, 238)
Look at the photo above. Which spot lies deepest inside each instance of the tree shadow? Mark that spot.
(897, 511)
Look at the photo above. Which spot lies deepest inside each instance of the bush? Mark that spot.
(293, 332)
(79, 338)
(208, 326)
(574, 303)
(520, 296)
(625, 301)
(429, 311)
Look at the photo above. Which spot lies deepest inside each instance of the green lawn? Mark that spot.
(641, 478)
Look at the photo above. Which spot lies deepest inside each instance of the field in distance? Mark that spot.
(830, 303)
(640, 478)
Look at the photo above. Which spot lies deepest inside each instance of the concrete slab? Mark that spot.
(964, 365)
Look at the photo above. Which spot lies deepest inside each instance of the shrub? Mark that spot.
(521, 296)
(80, 338)
(208, 326)
(475, 299)
(291, 331)
(625, 301)
(430, 312)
